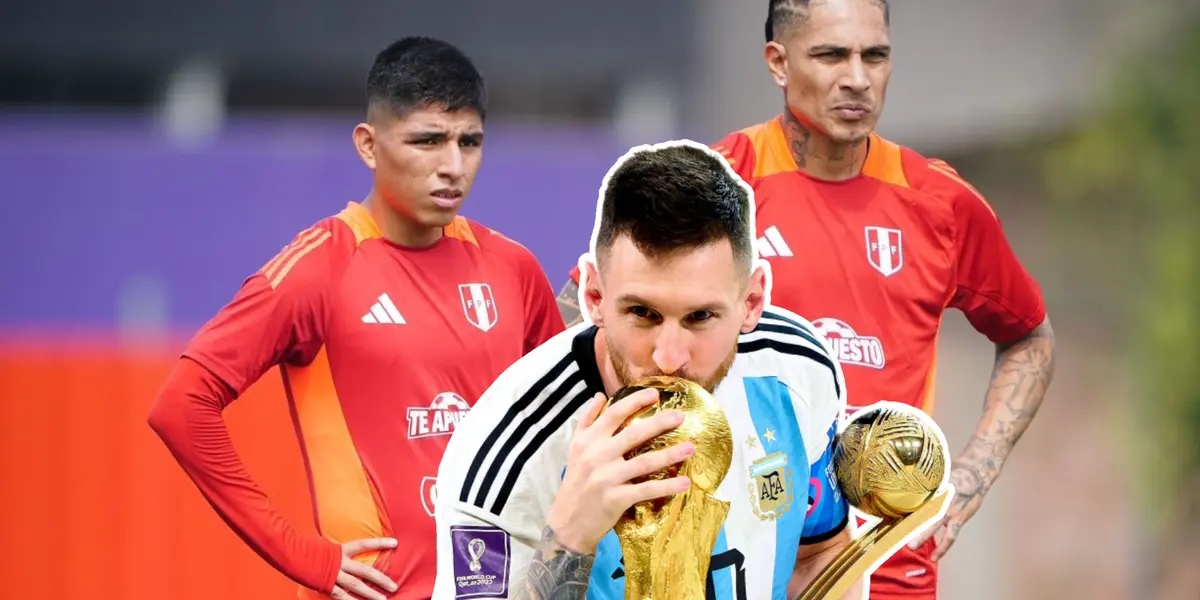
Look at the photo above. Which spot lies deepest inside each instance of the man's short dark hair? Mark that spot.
(420, 72)
(783, 15)
(668, 199)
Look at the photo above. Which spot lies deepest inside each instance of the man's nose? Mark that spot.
(855, 78)
(452, 165)
(670, 349)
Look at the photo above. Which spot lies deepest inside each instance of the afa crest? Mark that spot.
(771, 489)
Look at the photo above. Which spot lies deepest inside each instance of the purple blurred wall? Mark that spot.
(91, 205)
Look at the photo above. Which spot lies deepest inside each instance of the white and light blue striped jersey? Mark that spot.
(784, 398)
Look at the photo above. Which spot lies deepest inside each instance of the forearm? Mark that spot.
(568, 304)
(187, 417)
(1020, 378)
(555, 572)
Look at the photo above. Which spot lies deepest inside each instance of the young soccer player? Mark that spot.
(387, 321)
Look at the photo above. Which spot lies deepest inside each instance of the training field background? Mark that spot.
(152, 155)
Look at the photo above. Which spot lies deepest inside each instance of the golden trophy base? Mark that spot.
(668, 558)
(873, 546)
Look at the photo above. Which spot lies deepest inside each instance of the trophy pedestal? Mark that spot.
(874, 546)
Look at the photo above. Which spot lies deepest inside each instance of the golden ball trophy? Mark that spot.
(890, 462)
(667, 543)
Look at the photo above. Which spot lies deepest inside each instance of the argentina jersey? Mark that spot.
(783, 397)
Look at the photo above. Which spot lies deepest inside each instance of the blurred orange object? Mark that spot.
(92, 506)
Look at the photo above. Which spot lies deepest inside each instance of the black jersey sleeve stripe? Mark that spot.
(794, 350)
(518, 465)
(506, 422)
(789, 331)
(520, 433)
(803, 331)
(771, 314)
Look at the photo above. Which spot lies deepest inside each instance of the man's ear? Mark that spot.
(591, 294)
(365, 142)
(756, 295)
(775, 55)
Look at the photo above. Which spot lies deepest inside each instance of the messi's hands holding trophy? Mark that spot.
(599, 483)
(602, 481)
(629, 470)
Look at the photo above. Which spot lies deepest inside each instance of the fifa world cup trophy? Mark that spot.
(890, 462)
(667, 543)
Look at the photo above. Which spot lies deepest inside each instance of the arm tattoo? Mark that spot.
(1020, 379)
(556, 573)
(568, 304)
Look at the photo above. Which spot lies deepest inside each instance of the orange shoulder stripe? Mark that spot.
(286, 266)
(885, 162)
(770, 149)
(460, 229)
(944, 169)
(277, 268)
(301, 239)
(943, 164)
(508, 239)
(359, 220)
(727, 153)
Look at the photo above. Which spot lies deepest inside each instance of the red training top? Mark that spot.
(382, 350)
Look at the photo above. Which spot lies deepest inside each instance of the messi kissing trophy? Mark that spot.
(890, 462)
(667, 543)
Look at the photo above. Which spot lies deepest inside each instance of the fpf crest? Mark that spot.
(479, 305)
(885, 250)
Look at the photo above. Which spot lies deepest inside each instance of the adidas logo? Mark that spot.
(383, 311)
(771, 244)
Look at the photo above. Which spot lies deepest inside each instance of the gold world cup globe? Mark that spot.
(889, 460)
(704, 424)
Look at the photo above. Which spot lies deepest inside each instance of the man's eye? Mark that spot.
(702, 315)
(641, 312)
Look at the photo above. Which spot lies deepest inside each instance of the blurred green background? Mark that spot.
(1126, 191)
(1108, 207)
